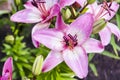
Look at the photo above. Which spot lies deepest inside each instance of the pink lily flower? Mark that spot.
(69, 43)
(7, 70)
(106, 11)
(37, 11)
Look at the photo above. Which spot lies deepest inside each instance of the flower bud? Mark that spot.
(91, 1)
(118, 1)
(37, 66)
(9, 39)
(18, 2)
(98, 26)
(66, 14)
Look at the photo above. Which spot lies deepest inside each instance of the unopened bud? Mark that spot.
(98, 26)
(9, 39)
(66, 13)
(90, 1)
(18, 2)
(118, 1)
(37, 66)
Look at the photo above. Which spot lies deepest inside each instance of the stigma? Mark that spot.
(70, 41)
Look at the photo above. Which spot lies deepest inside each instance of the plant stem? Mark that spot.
(34, 77)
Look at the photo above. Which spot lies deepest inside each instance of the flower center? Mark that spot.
(40, 4)
(70, 41)
(105, 7)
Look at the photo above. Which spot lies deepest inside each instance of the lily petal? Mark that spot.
(114, 29)
(28, 5)
(51, 38)
(64, 3)
(26, 16)
(93, 46)
(38, 27)
(50, 3)
(53, 12)
(8, 67)
(93, 8)
(77, 60)
(82, 27)
(52, 60)
(60, 25)
(105, 36)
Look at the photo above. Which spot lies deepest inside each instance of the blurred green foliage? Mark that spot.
(22, 57)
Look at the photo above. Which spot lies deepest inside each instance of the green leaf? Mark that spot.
(118, 18)
(93, 68)
(111, 55)
(4, 12)
(21, 71)
(90, 57)
(22, 59)
(27, 66)
(114, 45)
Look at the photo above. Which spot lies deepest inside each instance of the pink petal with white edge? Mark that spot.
(64, 3)
(93, 46)
(8, 67)
(105, 36)
(82, 27)
(77, 60)
(28, 5)
(54, 11)
(94, 9)
(38, 27)
(51, 38)
(60, 25)
(26, 16)
(50, 3)
(114, 29)
(52, 60)
(114, 7)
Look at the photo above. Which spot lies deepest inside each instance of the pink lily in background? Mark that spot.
(7, 70)
(37, 11)
(106, 11)
(69, 43)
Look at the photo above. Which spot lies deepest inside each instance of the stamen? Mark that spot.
(70, 41)
(105, 7)
(66, 41)
(99, 13)
(70, 36)
(40, 4)
(34, 3)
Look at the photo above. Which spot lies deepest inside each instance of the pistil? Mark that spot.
(70, 41)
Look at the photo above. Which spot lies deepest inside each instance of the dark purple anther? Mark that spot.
(70, 40)
(66, 41)
(34, 3)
